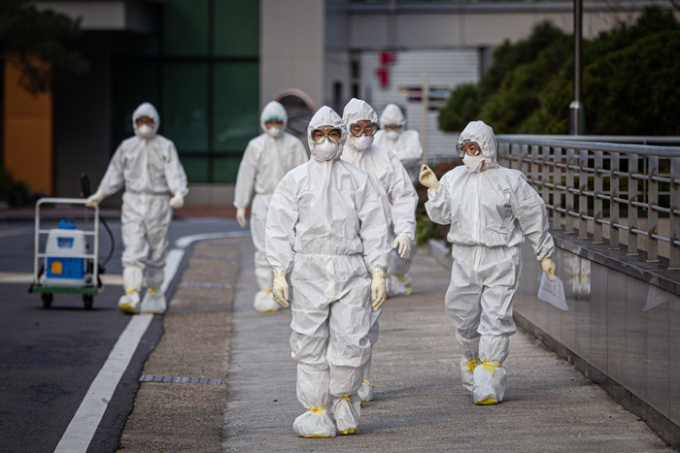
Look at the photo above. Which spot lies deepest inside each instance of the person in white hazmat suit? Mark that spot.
(405, 144)
(267, 159)
(399, 200)
(148, 166)
(491, 210)
(326, 230)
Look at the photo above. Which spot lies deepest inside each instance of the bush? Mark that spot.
(14, 193)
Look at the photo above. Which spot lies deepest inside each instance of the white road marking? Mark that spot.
(15, 232)
(80, 431)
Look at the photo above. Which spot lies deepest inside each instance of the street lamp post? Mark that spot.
(576, 111)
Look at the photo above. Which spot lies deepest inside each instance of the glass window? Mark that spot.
(134, 82)
(225, 168)
(196, 168)
(237, 28)
(236, 116)
(185, 27)
(185, 105)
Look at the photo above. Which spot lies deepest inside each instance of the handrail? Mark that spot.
(604, 188)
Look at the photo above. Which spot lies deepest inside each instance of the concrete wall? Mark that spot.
(291, 48)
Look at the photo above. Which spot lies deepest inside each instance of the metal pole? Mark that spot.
(425, 103)
(576, 112)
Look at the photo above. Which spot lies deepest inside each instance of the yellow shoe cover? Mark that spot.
(487, 402)
(348, 431)
(127, 308)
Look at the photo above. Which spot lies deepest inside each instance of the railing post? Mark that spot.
(557, 195)
(674, 234)
(582, 197)
(569, 196)
(632, 237)
(613, 204)
(534, 166)
(545, 178)
(652, 214)
(597, 201)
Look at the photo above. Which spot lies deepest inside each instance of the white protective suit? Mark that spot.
(326, 230)
(406, 146)
(150, 170)
(265, 162)
(491, 212)
(399, 200)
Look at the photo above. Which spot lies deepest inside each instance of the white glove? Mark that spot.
(280, 290)
(241, 217)
(403, 245)
(549, 267)
(378, 288)
(95, 199)
(427, 178)
(177, 201)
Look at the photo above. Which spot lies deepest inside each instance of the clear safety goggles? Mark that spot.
(470, 148)
(332, 133)
(273, 123)
(393, 127)
(363, 127)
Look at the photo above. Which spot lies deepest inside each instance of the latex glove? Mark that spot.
(280, 290)
(403, 245)
(95, 199)
(177, 201)
(241, 217)
(427, 178)
(378, 289)
(549, 267)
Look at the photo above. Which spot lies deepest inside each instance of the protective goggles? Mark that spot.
(392, 127)
(332, 133)
(363, 127)
(470, 148)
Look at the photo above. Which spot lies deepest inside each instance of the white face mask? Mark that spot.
(326, 150)
(392, 135)
(274, 132)
(473, 163)
(146, 131)
(360, 143)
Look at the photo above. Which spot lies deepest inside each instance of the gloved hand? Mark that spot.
(427, 178)
(177, 201)
(403, 244)
(241, 217)
(280, 290)
(549, 267)
(378, 288)
(95, 199)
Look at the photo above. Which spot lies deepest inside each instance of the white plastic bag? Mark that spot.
(553, 292)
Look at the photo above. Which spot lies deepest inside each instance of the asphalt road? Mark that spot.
(49, 358)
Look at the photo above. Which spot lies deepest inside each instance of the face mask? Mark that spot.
(392, 135)
(146, 131)
(274, 132)
(326, 150)
(361, 143)
(473, 163)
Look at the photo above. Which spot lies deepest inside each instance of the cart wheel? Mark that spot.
(88, 300)
(47, 299)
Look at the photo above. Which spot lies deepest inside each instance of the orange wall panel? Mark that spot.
(28, 133)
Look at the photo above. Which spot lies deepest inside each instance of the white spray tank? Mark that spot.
(64, 262)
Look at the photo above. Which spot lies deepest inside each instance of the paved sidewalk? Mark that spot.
(420, 404)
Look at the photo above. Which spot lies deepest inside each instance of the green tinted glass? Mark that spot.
(185, 105)
(237, 28)
(185, 27)
(236, 115)
(196, 168)
(225, 168)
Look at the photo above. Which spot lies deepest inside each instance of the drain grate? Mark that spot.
(214, 256)
(178, 379)
(206, 285)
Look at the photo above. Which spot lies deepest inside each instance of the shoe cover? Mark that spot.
(315, 423)
(129, 303)
(346, 410)
(265, 303)
(399, 285)
(154, 304)
(366, 391)
(467, 369)
(489, 383)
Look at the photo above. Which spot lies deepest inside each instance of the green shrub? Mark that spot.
(14, 193)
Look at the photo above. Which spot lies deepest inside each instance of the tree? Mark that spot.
(34, 40)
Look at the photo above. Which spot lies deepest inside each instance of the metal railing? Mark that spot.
(605, 190)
